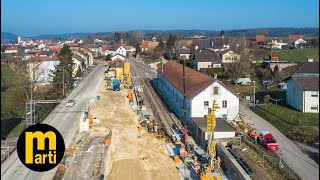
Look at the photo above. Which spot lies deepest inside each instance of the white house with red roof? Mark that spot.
(11, 49)
(201, 91)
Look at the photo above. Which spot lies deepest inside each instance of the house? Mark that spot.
(281, 64)
(206, 59)
(303, 87)
(118, 57)
(229, 57)
(184, 53)
(41, 46)
(256, 40)
(184, 43)
(88, 53)
(117, 49)
(104, 50)
(276, 43)
(297, 41)
(11, 49)
(200, 91)
(47, 53)
(42, 68)
(217, 44)
(148, 45)
(93, 48)
(79, 62)
(84, 56)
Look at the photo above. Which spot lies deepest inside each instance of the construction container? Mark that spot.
(115, 85)
(126, 68)
(119, 73)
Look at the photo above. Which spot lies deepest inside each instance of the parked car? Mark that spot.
(267, 140)
(71, 103)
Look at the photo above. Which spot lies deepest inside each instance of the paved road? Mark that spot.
(299, 161)
(65, 119)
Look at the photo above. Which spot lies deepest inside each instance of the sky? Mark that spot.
(35, 17)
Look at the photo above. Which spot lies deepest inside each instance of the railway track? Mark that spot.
(144, 76)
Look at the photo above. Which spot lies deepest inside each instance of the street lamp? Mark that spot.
(254, 93)
(63, 69)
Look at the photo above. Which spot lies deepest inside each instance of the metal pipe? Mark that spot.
(184, 108)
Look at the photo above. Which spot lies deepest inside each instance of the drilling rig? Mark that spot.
(209, 169)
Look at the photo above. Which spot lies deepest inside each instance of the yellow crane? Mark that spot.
(210, 171)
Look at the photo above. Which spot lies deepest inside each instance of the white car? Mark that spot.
(71, 103)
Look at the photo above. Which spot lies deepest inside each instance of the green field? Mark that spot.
(302, 127)
(7, 74)
(298, 55)
(293, 116)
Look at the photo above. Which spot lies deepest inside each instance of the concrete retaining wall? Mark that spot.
(230, 164)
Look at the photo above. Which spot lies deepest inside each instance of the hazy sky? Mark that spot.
(34, 17)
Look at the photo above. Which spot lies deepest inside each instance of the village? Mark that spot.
(156, 120)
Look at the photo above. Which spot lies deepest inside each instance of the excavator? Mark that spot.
(210, 169)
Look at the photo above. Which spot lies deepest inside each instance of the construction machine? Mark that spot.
(127, 82)
(210, 170)
(109, 84)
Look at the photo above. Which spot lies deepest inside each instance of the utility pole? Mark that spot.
(63, 81)
(184, 108)
(254, 93)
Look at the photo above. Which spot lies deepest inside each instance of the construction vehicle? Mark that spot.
(209, 169)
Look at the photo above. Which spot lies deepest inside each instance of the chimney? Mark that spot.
(215, 76)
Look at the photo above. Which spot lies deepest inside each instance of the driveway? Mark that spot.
(296, 156)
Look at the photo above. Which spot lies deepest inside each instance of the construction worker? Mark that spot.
(252, 134)
(255, 138)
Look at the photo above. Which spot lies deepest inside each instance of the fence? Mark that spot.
(273, 159)
(296, 122)
(7, 147)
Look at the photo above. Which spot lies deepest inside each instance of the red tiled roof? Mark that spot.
(293, 38)
(196, 81)
(260, 38)
(144, 44)
(12, 48)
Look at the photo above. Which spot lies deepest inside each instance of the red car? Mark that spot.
(267, 140)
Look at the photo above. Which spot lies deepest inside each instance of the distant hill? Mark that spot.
(6, 36)
(269, 32)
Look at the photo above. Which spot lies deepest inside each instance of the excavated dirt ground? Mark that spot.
(131, 157)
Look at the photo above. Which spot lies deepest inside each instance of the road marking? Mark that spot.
(43, 175)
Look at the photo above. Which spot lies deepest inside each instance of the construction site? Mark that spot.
(128, 132)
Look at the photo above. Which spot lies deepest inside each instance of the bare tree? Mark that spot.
(241, 66)
(20, 87)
